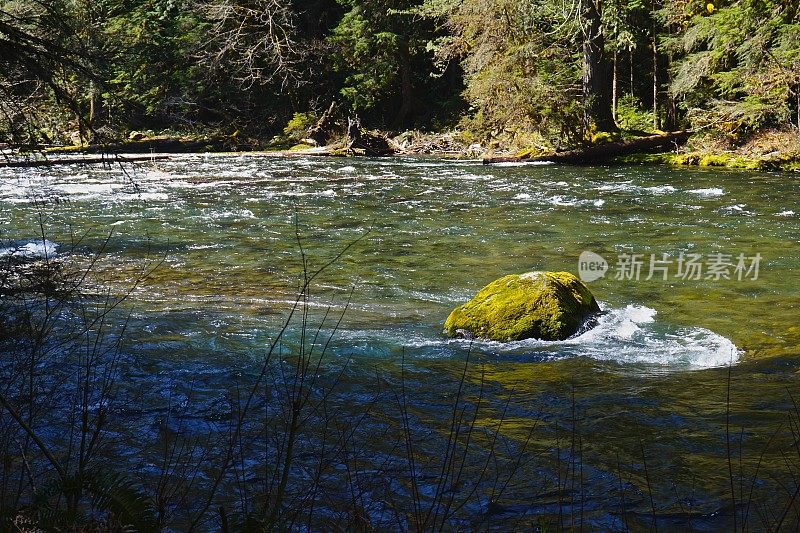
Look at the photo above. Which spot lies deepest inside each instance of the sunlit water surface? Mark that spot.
(426, 235)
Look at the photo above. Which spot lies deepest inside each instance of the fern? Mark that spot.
(119, 495)
(96, 496)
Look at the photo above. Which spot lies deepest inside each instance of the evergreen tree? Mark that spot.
(739, 64)
(43, 61)
(382, 51)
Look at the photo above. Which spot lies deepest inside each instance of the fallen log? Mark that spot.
(163, 145)
(79, 161)
(603, 152)
(331, 150)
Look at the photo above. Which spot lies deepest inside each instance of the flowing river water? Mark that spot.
(650, 380)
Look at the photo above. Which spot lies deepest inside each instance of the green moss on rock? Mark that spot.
(540, 305)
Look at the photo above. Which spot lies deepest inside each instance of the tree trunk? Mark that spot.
(597, 91)
(105, 160)
(322, 131)
(630, 62)
(615, 87)
(406, 87)
(671, 122)
(656, 124)
(95, 106)
(92, 102)
(615, 61)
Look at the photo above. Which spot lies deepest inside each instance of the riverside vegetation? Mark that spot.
(507, 75)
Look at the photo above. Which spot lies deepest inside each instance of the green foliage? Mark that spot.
(603, 137)
(384, 55)
(522, 68)
(504, 69)
(95, 497)
(298, 126)
(41, 56)
(150, 43)
(739, 67)
(630, 115)
(367, 58)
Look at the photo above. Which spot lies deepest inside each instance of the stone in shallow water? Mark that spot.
(538, 305)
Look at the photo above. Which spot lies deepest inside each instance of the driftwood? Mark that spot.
(79, 161)
(322, 132)
(166, 145)
(333, 150)
(363, 142)
(603, 152)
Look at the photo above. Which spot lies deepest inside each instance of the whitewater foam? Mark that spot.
(28, 249)
(522, 163)
(708, 193)
(737, 209)
(631, 335)
(660, 189)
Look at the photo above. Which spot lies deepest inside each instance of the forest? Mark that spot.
(541, 75)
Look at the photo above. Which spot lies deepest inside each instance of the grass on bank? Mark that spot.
(769, 150)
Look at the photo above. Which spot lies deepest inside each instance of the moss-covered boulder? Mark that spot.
(539, 305)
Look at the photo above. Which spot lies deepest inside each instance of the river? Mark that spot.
(419, 237)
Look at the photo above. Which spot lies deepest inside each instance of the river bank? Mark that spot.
(769, 150)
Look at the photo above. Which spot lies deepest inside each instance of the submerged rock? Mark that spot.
(538, 305)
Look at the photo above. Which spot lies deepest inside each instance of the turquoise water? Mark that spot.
(424, 235)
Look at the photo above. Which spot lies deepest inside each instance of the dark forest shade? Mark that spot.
(509, 71)
(597, 86)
